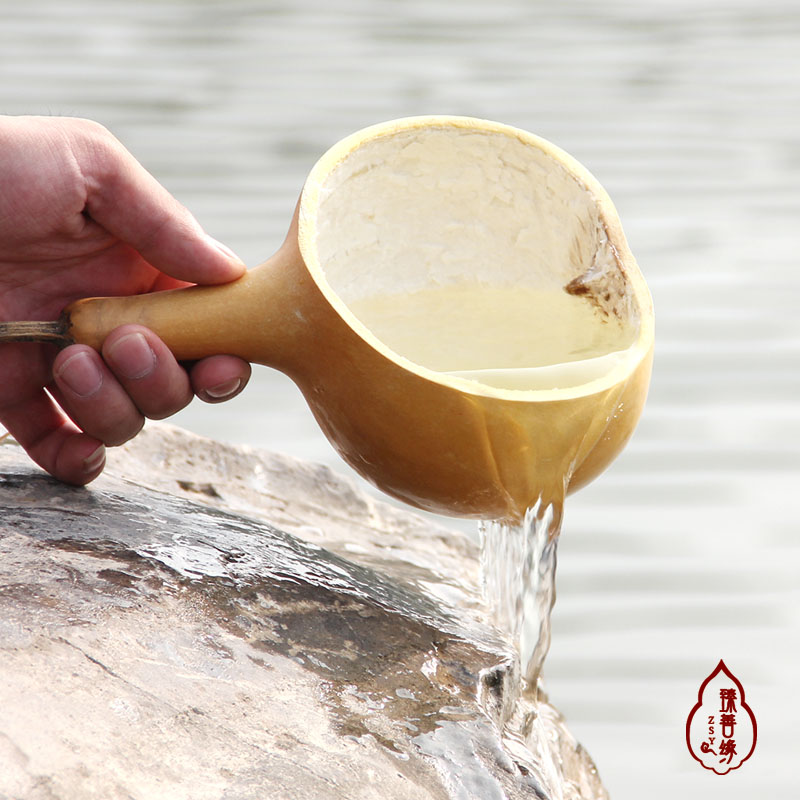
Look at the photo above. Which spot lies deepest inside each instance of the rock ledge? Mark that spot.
(209, 621)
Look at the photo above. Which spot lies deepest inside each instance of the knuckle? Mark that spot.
(160, 405)
(123, 432)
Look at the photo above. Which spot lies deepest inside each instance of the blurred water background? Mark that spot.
(687, 549)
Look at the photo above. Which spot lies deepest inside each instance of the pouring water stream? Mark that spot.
(518, 573)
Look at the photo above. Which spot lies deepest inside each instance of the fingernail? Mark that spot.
(223, 390)
(224, 249)
(93, 462)
(81, 374)
(132, 356)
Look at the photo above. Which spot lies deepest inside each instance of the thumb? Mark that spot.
(132, 205)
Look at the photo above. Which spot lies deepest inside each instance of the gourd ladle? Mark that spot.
(398, 207)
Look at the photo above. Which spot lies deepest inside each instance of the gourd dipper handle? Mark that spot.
(247, 317)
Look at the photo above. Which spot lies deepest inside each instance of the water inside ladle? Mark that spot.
(430, 218)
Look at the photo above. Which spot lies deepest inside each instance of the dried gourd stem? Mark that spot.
(55, 332)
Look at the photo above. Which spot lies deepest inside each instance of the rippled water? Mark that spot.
(688, 549)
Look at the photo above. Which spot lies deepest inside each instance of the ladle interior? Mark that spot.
(495, 245)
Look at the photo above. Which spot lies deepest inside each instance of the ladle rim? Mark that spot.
(638, 351)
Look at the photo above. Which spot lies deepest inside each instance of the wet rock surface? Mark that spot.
(212, 622)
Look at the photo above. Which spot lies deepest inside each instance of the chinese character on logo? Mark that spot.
(728, 698)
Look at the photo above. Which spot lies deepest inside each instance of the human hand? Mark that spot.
(79, 216)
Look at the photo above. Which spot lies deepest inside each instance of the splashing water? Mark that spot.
(518, 570)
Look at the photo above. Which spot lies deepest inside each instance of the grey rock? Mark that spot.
(209, 621)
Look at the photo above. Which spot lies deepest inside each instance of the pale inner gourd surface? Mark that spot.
(454, 248)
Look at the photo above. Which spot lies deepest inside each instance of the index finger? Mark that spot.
(131, 204)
